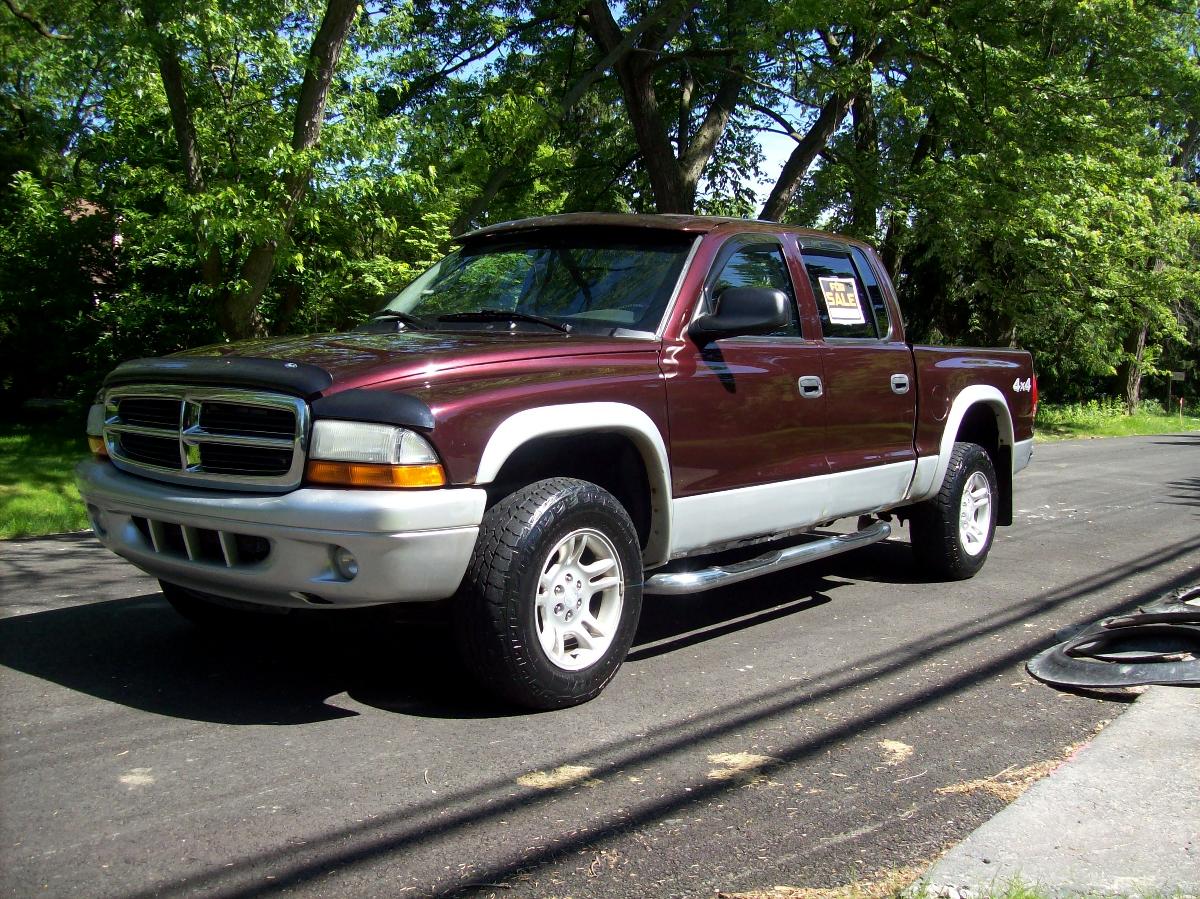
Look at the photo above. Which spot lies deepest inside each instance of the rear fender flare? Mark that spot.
(582, 418)
(969, 397)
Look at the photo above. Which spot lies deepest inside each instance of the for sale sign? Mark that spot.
(841, 299)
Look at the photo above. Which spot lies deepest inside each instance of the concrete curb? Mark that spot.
(1120, 817)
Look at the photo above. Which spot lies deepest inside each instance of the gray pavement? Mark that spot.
(1122, 816)
(808, 728)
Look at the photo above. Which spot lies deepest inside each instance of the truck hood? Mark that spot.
(357, 359)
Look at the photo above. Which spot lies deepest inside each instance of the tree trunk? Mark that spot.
(891, 253)
(1132, 374)
(817, 138)
(695, 153)
(666, 180)
(807, 150)
(864, 208)
(686, 89)
(181, 115)
(673, 178)
(289, 305)
(171, 72)
(241, 315)
(496, 180)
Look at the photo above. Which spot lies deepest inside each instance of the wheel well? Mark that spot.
(980, 426)
(610, 460)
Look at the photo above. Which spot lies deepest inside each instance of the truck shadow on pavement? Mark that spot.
(138, 652)
(1192, 439)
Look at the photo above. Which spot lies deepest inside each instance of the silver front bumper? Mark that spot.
(410, 546)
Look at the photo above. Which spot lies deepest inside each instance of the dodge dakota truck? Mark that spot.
(565, 414)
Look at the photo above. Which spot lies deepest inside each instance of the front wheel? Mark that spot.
(552, 597)
(952, 532)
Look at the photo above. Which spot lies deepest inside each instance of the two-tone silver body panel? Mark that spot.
(411, 545)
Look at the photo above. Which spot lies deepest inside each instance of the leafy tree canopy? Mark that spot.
(176, 173)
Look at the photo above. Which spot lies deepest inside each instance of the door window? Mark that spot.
(759, 265)
(874, 292)
(842, 298)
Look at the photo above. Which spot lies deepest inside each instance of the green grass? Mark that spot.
(37, 485)
(1107, 418)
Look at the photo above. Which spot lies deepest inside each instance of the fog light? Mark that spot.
(345, 563)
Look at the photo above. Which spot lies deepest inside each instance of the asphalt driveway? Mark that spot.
(806, 728)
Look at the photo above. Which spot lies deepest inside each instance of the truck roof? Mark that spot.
(692, 224)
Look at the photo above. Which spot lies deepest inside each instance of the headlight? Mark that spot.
(95, 431)
(359, 454)
(355, 441)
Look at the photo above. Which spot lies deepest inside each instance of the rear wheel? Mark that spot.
(551, 600)
(952, 532)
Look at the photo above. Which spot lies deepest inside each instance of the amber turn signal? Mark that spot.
(96, 445)
(367, 474)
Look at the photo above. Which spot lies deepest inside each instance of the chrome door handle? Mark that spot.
(900, 384)
(811, 387)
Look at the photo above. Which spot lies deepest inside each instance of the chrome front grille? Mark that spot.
(210, 436)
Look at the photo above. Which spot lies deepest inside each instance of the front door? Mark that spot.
(741, 425)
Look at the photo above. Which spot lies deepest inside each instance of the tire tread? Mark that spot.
(933, 524)
(489, 633)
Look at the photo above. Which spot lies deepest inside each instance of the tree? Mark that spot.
(639, 54)
(1024, 186)
(238, 301)
(172, 174)
(844, 77)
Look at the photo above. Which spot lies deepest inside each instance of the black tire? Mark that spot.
(497, 612)
(213, 613)
(940, 541)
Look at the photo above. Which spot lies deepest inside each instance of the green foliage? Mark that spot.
(1028, 167)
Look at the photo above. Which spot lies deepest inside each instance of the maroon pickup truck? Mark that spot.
(564, 414)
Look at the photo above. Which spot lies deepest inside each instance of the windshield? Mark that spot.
(590, 285)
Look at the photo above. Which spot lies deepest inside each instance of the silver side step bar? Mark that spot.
(676, 583)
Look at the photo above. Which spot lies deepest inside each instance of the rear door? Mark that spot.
(870, 380)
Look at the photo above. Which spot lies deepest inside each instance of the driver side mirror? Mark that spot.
(742, 311)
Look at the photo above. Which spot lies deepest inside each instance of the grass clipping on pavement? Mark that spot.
(880, 885)
(905, 883)
(37, 482)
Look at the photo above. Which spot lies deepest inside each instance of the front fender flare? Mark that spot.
(582, 418)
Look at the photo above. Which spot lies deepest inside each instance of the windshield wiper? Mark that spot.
(504, 315)
(402, 318)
